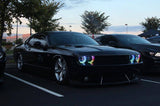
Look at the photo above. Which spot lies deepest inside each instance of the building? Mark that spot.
(13, 38)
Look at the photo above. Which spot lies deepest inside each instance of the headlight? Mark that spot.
(1, 55)
(138, 57)
(87, 60)
(152, 53)
(134, 59)
(157, 54)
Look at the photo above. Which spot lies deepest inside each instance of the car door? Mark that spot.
(28, 55)
(39, 50)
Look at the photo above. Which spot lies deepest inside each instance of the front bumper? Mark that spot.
(103, 75)
(152, 65)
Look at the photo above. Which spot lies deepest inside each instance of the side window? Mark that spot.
(99, 40)
(106, 40)
(37, 41)
(42, 40)
(113, 39)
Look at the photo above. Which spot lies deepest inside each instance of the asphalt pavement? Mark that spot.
(38, 88)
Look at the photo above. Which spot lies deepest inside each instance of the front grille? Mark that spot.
(111, 60)
(111, 77)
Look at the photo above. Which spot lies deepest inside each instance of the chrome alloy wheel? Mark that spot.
(60, 70)
(20, 62)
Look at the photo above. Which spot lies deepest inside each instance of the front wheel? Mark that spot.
(61, 71)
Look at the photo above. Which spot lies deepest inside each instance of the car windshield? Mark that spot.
(70, 38)
(131, 39)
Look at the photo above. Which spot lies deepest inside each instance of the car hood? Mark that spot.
(146, 47)
(98, 50)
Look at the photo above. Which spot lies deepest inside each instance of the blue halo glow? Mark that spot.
(83, 59)
(132, 59)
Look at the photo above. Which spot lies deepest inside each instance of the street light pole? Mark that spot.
(126, 28)
(17, 31)
(70, 28)
(30, 26)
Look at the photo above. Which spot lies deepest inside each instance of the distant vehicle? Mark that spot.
(76, 57)
(154, 39)
(150, 52)
(2, 63)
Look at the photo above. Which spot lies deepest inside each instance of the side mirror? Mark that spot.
(112, 43)
(45, 47)
(40, 45)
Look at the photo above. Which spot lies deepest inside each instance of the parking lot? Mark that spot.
(37, 88)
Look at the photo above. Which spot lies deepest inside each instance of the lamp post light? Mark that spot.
(126, 28)
(70, 28)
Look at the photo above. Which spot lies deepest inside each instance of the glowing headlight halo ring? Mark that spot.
(84, 59)
(135, 58)
(93, 59)
(132, 59)
(87, 60)
(138, 57)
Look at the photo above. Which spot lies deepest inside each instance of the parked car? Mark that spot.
(154, 39)
(150, 52)
(2, 63)
(76, 57)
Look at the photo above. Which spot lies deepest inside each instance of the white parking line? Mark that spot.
(36, 86)
(145, 80)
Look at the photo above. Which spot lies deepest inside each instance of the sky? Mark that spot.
(120, 12)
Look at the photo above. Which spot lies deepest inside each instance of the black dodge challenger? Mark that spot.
(76, 57)
(150, 52)
(2, 63)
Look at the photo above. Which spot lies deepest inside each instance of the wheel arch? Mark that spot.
(67, 59)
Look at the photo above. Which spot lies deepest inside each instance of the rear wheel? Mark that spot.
(20, 63)
(2, 75)
(61, 71)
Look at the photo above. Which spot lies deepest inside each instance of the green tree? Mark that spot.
(9, 11)
(61, 28)
(94, 22)
(151, 23)
(40, 14)
(19, 41)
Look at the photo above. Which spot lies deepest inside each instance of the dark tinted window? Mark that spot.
(131, 39)
(37, 38)
(107, 39)
(70, 38)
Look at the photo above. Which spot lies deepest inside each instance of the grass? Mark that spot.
(10, 61)
(9, 52)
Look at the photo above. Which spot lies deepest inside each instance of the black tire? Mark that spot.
(20, 63)
(2, 76)
(61, 71)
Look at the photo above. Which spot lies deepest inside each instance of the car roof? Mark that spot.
(119, 34)
(115, 35)
(60, 32)
(154, 37)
